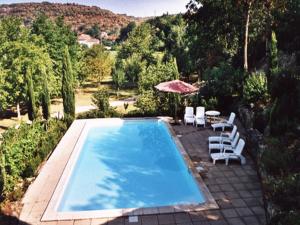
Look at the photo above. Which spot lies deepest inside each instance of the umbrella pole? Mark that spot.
(175, 108)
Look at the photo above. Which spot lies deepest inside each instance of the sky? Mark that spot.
(140, 8)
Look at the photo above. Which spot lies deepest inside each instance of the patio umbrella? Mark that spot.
(176, 87)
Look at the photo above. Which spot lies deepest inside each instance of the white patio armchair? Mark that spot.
(224, 124)
(189, 116)
(230, 153)
(200, 116)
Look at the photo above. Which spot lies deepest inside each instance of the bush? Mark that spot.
(285, 93)
(222, 82)
(255, 88)
(95, 113)
(24, 149)
(210, 103)
(147, 102)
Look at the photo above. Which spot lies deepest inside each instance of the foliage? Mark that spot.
(285, 93)
(281, 162)
(97, 63)
(56, 36)
(45, 99)
(273, 55)
(118, 76)
(210, 103)
(171, 38)
(68, 94)
(125, 31)
(19, 54)
(255, 88)
(222, 82)
(94, 31)
(24, 149)
(133, 68)
(156, 74)
(101, 100)
(31, 104)
(147, 102)
(94, 114)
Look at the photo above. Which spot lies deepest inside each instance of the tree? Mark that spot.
(273, 55)
(21, 55)
(45, 98)
(125, 31)
(56, 35)
(31, 103)
(68, 94)
(118, 76)
(98, 63)
(94, 31)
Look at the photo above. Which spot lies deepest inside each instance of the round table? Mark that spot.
(212, 114)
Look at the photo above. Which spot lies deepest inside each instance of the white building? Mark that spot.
(85, 39)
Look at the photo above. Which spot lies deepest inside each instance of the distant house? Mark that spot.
(85, 39)
(104, 35)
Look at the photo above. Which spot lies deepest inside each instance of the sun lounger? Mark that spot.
(221, 146)
(226, 123)
(230, 153)
(224, 137)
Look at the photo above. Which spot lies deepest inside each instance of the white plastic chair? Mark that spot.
(189, 115)
(230, 153)
(200, 116)
(226, 123)
(224, 137)
(221, 146)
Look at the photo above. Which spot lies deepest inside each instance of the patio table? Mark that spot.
(212, 114)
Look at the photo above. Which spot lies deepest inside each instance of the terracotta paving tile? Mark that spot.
(238, 203)
(65, 222)
(99, 222)
(182, 217)
(166, 219)
(49, 223)
(235, 221)
(251, 220)
(82, 222)
(116, 221)
(214, 215)
(219, 222)
(229, 213)
(244, 211)
(149, 220)
(198, 216)
(258, 210)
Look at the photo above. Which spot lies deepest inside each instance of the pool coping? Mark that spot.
(50, 213)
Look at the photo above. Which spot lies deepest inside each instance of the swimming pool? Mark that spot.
(124, 164)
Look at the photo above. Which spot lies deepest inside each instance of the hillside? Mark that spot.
(80, 17)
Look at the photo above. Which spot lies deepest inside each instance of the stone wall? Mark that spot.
(256, 147)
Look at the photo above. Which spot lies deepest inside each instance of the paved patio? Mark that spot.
(235, 188)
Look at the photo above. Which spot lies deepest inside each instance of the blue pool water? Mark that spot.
(129, 165)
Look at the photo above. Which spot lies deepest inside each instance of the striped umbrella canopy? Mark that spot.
(176, 86)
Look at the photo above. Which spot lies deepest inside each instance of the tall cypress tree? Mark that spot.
(45, 97)
(68, 94)
(32, 112)
(273, 55)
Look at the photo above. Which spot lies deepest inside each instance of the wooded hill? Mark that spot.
(80, 17)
